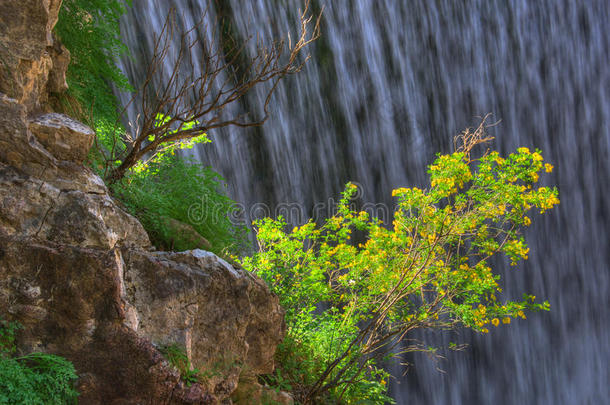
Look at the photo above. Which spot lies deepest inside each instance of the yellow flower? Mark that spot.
(506, 320)
(537, 157)
(534, 177)
(398, 191)
(548, 167)
(523, 150)
(495, 321)
(527, 221)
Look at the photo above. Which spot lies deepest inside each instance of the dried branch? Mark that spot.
(468, 139)
(201, 90)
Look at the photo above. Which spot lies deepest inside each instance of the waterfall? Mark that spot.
(389, 84)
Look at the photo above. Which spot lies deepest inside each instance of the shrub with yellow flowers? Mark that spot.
(348, 304)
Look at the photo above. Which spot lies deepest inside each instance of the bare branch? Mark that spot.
(203, 79)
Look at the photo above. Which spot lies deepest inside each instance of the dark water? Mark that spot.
(389, 84)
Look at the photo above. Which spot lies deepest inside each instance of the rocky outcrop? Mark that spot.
(33, 208)
(27, 51)
(109, 311)
(80, 274)
(63, 137)
(208, 307)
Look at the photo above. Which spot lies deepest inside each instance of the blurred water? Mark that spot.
(389, 84)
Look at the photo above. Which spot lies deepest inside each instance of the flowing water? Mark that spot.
(389, 84)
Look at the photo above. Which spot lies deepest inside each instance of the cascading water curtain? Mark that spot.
(389, 84)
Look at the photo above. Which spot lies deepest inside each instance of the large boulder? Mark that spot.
(225, 318)
(110, 310)
(33, 208)
(63, 137)
(68, 300)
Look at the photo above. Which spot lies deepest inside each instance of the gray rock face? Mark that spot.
(208, 307)
(63, 137)
(78, 272)
(33, 208)
(108, 311)
(18, 147)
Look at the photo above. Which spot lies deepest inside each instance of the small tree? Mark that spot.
(430, 270)
(192, 101)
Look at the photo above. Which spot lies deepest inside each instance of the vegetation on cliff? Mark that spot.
(90, 31)
(176, 199)
(162, 188)
(36, 378)
(181, 112)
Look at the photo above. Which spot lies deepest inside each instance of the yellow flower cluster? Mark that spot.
(449, 181)
(399, 191)
(535, 177)
(549, 202)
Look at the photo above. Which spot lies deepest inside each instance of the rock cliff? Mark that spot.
(80, 274)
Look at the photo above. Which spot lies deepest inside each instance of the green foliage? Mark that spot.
(177, 357)
(90, 31)
(7, 336)
(37, 378)
(167, 149)
(347, 304)
(167, 188)
(307, 349)
(108, 143)
(185, 191)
